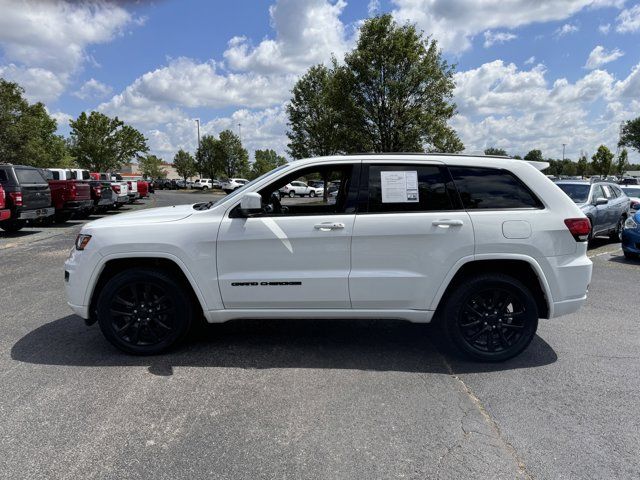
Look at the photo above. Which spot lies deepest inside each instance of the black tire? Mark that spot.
(292, 194)
(630, 256)
(205, 188)
(62, 217)
(312, 193)
(616, 235)
(478, 319)
(154, 292)
(11, 226)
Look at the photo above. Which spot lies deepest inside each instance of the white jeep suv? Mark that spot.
(233, 184)
(300, 188)
(482, 246)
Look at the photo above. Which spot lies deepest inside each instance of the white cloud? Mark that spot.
(629, 20)
(491, 38)
(530, 61)
(599, 56)
(52, 37)
(40, 85)
(307, 32)
(455, 22)
(373, 8)
(566, 29)
(604, 29)
(93, 89)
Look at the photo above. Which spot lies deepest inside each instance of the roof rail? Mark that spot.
(440, 154)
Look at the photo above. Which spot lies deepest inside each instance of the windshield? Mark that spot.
(632, 192)
(246, 186)
(577, 192)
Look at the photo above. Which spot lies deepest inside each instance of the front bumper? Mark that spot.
(631, 240)
(36, 214)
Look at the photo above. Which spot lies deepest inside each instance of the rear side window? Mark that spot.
(408, 188)
(28, 175)
(491, 188)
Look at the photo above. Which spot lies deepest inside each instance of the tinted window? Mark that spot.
(3, 176)
(631, 192)
(392, 189)
(577, 192)
(490, 188)
(56, 175)
(28, 175)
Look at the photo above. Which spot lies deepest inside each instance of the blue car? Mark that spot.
(631, 237)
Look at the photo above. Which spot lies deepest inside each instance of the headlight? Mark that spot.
(630, 223)
(82, 241)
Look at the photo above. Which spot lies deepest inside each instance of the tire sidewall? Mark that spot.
(462, 293)
(174, 290)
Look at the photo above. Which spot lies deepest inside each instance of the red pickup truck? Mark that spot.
(68, 196)
(143, 188)
(5, 213)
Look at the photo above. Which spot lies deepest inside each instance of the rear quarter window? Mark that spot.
(491, 188)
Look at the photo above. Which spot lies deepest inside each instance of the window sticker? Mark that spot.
(399, 187)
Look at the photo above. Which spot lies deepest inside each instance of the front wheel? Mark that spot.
(489, 317)
(292, 194)
(144, 311)
(312, 193)
(205, 188)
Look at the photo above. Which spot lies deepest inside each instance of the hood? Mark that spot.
(146, 216)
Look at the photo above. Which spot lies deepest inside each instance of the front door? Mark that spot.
(296, 253)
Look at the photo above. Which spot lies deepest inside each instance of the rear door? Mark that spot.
(409, 232)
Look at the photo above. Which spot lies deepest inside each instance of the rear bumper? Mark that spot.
(37, 213)
(78, 205)
(122, 199)
(80, 310)
(105, 201)
(571, 277)
(5, 214)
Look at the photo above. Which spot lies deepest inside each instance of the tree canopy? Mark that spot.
(497, 152)
(185, 164)
(392, 93)
(601, 161)
(534, 156)
(630, 134)
(100, 143)
(27, 132)
(151, 167)
(222, 156)
(265, 161)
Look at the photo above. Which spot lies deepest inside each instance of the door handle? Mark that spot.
(328, 226)
(447, 223)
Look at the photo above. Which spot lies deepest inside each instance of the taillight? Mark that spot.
(579, 228)
(2, 197)
(116, 188)
(634, 205)
(98, 191)
(16, 198)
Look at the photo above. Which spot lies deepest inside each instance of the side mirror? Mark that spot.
(251, 202)
(601, 201)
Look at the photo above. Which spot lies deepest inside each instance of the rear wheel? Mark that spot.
(144, 311)
(616, 235)
(490, 317)
(312, 193)
(630, 256)
(292, 194)
(62, 217)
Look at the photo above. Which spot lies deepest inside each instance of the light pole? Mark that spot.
(198, 124)
(563, 145)
(240, 132)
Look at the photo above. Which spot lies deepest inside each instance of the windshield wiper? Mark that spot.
(203, 206)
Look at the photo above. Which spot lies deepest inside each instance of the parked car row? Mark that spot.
(31, 195)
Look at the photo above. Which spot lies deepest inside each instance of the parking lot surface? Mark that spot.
(311, 399)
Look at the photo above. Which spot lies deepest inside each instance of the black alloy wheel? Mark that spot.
(491, 317)
(616, 235)
(144, 311)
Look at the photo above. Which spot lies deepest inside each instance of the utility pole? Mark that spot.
(198, 124)
(240, 132)
(563, 145)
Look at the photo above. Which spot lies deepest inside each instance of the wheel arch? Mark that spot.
(523, 269)
(169, 263)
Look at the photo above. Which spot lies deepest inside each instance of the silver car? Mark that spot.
(604, 203)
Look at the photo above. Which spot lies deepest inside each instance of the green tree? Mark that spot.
(534, 156)
(265, 161)
(185, 164)
(233, 158)
(393, 93)
(583, 166)
(207, 157)
(630, 134)
(100, 143)
(151, 167)
(496, 152)
(569, 167)
(622, 165)
(27, 132)
(602, 160)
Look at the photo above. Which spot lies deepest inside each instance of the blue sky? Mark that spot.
(529, 74)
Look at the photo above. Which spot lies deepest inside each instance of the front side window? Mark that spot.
(491, 188)
(277, 201)
(408, 188)
(597, 193)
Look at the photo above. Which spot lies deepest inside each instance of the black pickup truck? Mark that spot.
(28, 196)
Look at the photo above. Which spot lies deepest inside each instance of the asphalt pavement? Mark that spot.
(311, 399)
